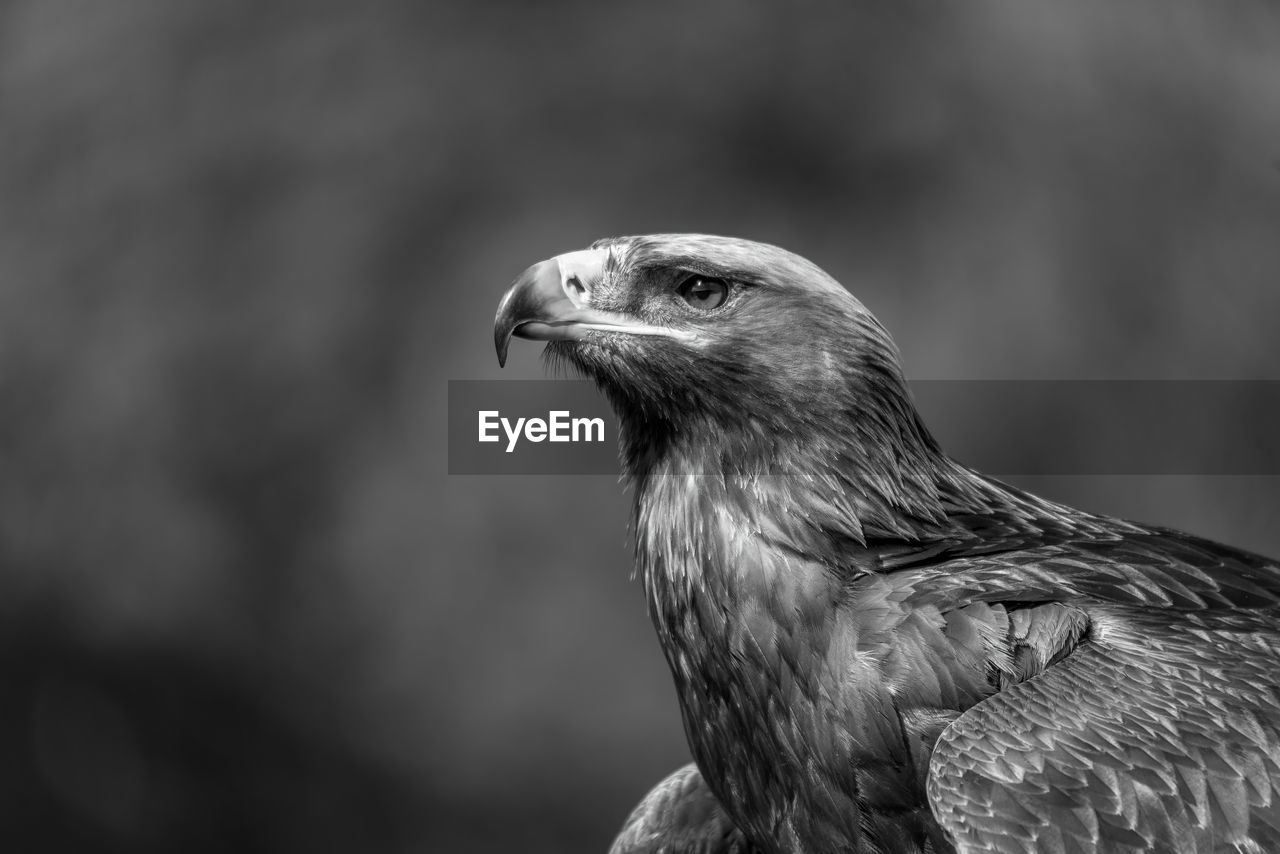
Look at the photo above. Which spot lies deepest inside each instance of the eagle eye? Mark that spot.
(703, 292)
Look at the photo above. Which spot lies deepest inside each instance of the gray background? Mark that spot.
(244, 245)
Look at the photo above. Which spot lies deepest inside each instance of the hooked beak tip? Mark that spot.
(500, 343)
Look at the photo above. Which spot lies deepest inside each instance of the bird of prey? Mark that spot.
(876, 648)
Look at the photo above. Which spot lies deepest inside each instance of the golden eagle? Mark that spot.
(876, 648)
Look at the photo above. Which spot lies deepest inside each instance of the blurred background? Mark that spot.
(244, 245)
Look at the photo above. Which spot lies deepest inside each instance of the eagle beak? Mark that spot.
(551, 301)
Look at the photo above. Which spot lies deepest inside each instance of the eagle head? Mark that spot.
(723, 348)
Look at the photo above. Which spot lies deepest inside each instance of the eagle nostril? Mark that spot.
(575, 289)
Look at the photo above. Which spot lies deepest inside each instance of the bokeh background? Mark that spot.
(244, 246)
